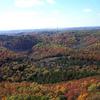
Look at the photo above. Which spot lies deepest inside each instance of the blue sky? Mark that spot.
(33, 14)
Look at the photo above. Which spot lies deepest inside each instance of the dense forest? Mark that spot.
(33, 64)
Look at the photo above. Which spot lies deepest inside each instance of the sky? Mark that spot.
(37, 14)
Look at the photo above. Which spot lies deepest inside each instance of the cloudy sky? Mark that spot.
(33, 14)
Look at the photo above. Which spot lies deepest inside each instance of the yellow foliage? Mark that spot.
(3, 98)
(83, 96)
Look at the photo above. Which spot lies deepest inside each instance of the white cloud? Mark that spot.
(31, 3)
(51, 1)
(27, 20)
(87, 10)
(28, 3)
(18, 20)
(31, 20)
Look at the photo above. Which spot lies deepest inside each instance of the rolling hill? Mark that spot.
(50, 57)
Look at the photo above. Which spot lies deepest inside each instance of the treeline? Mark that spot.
(23, 69)
(59, 75)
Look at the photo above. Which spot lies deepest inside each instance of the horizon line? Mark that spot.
(49, 28)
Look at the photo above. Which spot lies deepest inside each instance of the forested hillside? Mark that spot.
(50, 57)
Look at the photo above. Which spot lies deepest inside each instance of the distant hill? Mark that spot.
(61, 55)
(35, 31)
